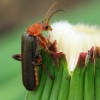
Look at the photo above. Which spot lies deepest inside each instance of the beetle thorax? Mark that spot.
(35, 29)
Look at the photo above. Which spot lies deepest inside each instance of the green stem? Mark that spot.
(97, 79)
(89, 82)
(77, 84)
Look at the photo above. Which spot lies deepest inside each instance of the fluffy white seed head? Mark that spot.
(74, 39)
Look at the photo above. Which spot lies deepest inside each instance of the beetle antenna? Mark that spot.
(49, 11)
(54, 13)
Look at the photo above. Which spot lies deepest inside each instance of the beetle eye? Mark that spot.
(46, 27)
(42, 21)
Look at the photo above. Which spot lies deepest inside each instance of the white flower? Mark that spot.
(74, 39)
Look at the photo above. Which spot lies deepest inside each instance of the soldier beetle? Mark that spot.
(30, 52)
(30, 57)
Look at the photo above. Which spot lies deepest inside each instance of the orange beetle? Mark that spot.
(30, 55)
(37, 28)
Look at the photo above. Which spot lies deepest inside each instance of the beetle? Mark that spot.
(30, 58)
(37, 28)
(30, 52)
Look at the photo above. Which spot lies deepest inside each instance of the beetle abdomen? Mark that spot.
(29, 51)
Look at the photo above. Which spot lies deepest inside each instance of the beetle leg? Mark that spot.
(42, 38)
(47, 72)
(17, 57)
(36, 77)
(39, 63)
(43, 42)
(45, 47)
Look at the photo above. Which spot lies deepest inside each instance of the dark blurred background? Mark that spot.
(16, 16)
(15, 12)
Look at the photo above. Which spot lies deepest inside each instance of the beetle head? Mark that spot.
(46, 26)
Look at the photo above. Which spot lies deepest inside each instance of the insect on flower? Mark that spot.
(30, 52)
(37, 28)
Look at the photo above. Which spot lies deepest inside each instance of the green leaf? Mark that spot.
(77, 80)
(97, 75)
(89, 82)
(56, 89)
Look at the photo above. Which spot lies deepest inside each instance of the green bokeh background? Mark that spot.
(11, 87)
